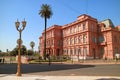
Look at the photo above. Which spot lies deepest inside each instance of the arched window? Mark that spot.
(101, 39)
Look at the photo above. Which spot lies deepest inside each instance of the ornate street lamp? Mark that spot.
(19, 41)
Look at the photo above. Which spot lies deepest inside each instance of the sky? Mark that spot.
(64, 12)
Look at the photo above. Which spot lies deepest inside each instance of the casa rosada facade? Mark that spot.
(85, 38)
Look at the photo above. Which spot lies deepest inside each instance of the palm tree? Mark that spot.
(45, 13)
(32, 44)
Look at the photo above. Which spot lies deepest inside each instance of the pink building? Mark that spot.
(85, 38)
(53, 41)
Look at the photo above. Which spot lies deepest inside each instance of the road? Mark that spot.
(63, 69)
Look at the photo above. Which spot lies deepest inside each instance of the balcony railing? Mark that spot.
(102, 43)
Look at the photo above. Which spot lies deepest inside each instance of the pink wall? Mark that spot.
(84, 37)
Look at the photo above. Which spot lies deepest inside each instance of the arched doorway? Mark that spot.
(79, 53)
(94, 53)
(101, 52)
(58, 52)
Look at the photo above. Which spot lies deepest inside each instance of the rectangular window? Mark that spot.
(92, 27)
(67, 51)
(52, 34)
(115, 39)
(102, 50)
(71, 30)
(84, 26)
(67, 31)
(79, 39)
(84, 38)
(70, 41)
(67, 41)
(75, 51)
(64, 51)
(75, 40)
(79, 27)
(79, 51)
(93, 39)
(52, 41)
(75, 30)
(71, 52)
(58, 43)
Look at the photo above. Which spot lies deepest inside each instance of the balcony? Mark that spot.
(102, 43)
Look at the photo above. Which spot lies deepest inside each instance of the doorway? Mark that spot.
(58, 52)
(94, 53)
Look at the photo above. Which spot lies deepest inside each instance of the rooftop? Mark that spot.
(108, 23)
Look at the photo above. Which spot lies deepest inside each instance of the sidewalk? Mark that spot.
(33, 77)
(93, 62)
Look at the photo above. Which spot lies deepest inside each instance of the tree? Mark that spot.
(45, 13)
(30, 52)
(14, 52)
(0, 51)
(3, 54)
(32, 44)
(23, 50)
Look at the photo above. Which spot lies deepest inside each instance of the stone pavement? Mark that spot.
(72, 77)
(34, 77)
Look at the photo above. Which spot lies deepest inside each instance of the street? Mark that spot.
(63, 69)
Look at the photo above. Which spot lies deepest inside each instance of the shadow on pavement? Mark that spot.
(31, 68)
(108, 79)
(3, 75)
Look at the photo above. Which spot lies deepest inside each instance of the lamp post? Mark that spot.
(19, 41)
(49, 56)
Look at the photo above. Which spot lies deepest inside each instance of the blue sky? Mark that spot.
(64, 12)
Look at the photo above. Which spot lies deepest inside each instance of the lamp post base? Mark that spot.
(18, 74)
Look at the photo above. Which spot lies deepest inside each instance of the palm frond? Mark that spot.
(45, 11)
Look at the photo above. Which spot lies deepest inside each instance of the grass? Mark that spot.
(52, 60)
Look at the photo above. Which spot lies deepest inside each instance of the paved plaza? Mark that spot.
(58, 71)
(29, 77)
